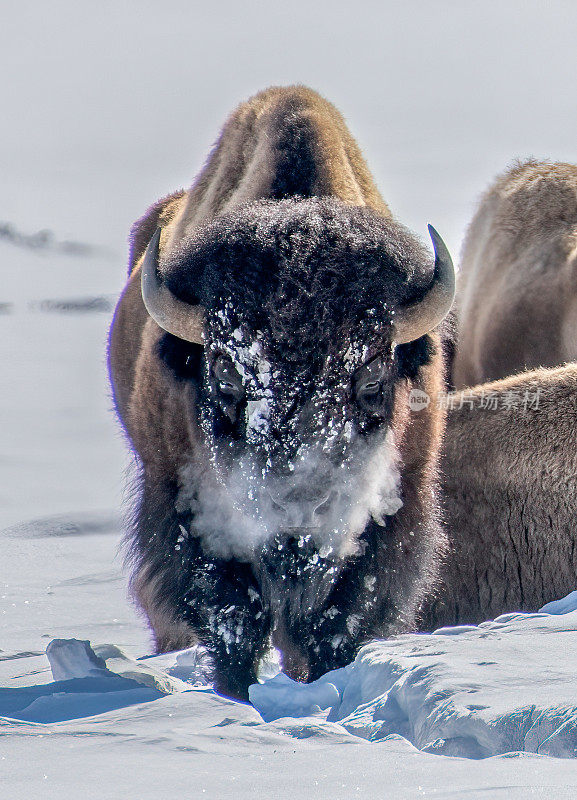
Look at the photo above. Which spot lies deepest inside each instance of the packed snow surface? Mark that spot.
(83, 707)
(504, 686)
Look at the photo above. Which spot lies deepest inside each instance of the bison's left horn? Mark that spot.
(173, 315)
(415, 320)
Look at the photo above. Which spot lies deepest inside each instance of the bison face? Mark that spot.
(305, 310)
(295, 442)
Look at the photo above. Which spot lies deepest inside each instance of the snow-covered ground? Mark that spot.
(487, 711)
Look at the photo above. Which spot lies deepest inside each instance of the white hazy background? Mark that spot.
(106, 107)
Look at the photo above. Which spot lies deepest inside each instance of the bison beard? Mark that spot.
(286, 492)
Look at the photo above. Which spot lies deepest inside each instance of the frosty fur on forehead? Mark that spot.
(229, 335)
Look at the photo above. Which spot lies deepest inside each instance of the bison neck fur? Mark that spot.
(298, 265)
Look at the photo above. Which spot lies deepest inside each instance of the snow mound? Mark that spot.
(71, 658)
(190, 667)
(503, 686)
(282, 697)
(87, 682)
(563, 606)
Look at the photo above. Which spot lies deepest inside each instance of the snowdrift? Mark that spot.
(81, 717)
(504, 686)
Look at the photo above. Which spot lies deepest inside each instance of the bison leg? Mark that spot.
(224, 606)
(191, 598)
(220, 609)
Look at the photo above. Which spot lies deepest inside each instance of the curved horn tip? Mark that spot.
(154, 243)
(150, 259)
(419, 318)
(441, 249)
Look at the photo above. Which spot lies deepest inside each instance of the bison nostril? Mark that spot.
(301, 507)
(324, 506)
(277, 505)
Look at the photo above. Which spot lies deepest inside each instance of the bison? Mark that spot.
(509, 484)
(262, 356)
(517, 286)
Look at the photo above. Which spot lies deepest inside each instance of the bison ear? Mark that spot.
(415, 320)
(172, 314)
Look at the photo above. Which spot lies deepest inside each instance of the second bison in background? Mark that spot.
(517, 286)
(510, 495)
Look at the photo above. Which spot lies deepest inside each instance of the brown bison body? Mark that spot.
(261, 357)
(517, 286)
(510, 495)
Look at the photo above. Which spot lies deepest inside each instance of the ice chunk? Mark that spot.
(74, 658)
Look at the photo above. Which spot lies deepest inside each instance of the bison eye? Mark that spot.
(368, 385)
(229, 385)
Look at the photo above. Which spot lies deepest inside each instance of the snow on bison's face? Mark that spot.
(312, 317)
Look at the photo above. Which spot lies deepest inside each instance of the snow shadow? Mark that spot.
(82, 524)
(74, 699)
(78, 305)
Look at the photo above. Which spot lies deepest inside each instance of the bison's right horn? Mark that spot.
(171, 314)
(415, 320)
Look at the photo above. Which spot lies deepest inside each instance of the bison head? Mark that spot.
(295, 322)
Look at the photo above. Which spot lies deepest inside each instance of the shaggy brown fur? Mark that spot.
(517, 286)
(291, 148)
(509, 479)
